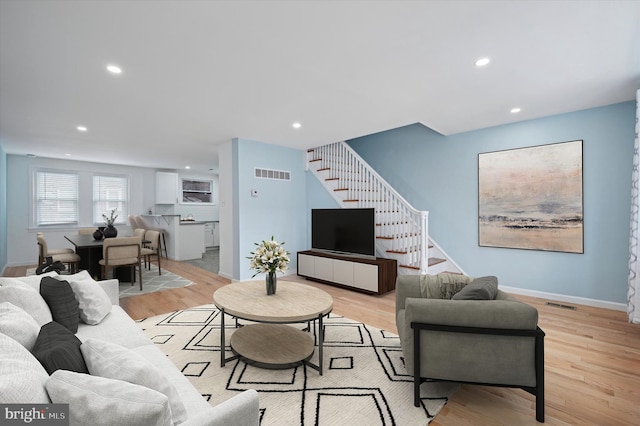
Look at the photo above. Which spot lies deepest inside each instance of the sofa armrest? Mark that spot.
(407, 286)
(241, 410)
(112, 288)
(472, 313)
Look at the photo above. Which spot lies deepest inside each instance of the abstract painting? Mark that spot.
(531, 198)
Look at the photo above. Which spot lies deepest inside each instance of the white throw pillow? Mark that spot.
(93, 302)
(18, 324)
(110, 360)
(22, 377)
(32, 281)
(100, 401)
(28, 299)
(78, 276)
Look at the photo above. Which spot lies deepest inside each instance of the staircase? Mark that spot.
(402, 232)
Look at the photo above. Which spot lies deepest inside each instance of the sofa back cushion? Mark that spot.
(22, 378)
(18, 324)
(27, 299)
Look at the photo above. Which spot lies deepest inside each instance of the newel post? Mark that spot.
(424, 242)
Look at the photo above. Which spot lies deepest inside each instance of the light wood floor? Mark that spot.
(592, 355)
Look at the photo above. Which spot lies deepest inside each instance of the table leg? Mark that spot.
(320, 343)
(222, 354)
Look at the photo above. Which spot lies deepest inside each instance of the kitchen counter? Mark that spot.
(183, 242)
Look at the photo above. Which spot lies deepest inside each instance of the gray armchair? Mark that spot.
(490, 342)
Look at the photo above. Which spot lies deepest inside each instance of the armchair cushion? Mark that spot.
(483, 288)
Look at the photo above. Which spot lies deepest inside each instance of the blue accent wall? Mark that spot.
(3, 209)
(279, 209)
(440, 174)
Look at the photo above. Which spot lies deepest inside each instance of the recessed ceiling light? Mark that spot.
(81, 128)
(482, 62)
(114, 69)
(187, 167)
(68, 155)
(515, 110)
(296, 125)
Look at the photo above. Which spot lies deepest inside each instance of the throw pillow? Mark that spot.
(32, 281)
(27, 299)
(62, 302)
(110, 360)
(93, 302)
(100, 401)
(483, 288)
(19, 325)
(22, 378)
(58, 348)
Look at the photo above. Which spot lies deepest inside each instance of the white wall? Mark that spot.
(227, 245)
(21, 238)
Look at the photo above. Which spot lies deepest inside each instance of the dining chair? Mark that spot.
(64, 255)
(152, 249)
(140, 222)
(122, 251)
(86, 231)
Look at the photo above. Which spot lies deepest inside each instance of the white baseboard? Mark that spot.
(567, 299)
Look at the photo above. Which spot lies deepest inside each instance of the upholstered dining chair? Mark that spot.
(86, 231)
(64, 255)
(142, 224)
(152, 249)
(122, 251)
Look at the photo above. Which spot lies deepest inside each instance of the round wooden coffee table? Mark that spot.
(271, 344)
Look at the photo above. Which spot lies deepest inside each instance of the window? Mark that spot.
(110, 192)
(197, 191)
(56, 198)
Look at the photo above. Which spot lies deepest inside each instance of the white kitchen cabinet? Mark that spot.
(166, 188)
(208, 234)
(216, 234)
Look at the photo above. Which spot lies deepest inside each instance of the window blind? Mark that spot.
(110, 192)
(56, 198)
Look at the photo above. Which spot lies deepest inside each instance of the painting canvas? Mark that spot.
(531, 198)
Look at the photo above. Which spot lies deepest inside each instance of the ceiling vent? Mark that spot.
(271, 174)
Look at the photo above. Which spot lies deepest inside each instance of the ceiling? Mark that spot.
(198, 73)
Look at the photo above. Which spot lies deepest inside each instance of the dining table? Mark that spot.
(90, 252)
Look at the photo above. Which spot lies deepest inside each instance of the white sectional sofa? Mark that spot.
(24, 380)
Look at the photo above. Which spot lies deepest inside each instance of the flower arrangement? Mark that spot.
(270, 256)
(110, 220)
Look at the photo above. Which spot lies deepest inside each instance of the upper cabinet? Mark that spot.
(166, 188)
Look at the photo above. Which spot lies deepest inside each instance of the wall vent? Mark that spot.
(560, 305)
(260, 173)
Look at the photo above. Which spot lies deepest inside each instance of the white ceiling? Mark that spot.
(199, 73)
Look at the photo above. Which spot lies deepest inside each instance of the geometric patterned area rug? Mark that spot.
(364, 380)
(151, 282)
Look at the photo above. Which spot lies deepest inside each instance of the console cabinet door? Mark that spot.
(306, 265)
(365, 276)
(343, 272)
(324, 268)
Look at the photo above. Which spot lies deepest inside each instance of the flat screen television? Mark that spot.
(344, 231)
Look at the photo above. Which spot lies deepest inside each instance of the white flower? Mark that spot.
(269, 256)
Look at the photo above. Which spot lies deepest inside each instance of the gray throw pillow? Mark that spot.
(483, 288)
(61, 301)
(58, 349)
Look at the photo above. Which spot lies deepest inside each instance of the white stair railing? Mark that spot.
(354, 183)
